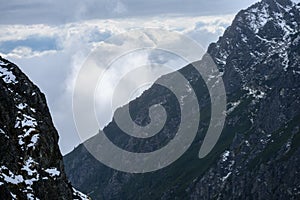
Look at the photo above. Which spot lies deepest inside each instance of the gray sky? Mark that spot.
(50, 40)
(60, 12)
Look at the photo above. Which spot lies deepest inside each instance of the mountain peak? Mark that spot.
(278, 5)
(265, 28)
(280, 2)
(267, 12)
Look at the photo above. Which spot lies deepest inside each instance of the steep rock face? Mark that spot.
(259, 56)
(258, 154)
(31, 164)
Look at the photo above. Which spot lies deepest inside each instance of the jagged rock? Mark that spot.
(31, 165)
(257, 156)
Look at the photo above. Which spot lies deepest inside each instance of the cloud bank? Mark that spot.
(51, 56)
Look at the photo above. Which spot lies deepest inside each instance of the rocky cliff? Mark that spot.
(31, 165)
(258, 154)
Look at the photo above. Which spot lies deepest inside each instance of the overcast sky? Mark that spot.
(49, 40)
(60, 12)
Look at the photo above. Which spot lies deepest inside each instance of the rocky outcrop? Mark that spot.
(31, 164)
(257, 155)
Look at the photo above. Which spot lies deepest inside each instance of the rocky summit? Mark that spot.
(31, 165)
(258, 153)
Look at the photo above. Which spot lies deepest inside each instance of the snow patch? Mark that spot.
(52, 172)
(21, 106)
(7, 76)
(2, 132)
(30, 130)
(28, 165)
(257, 18)
(13, 196)
(32, 176)
(10, 177)
(233, 106)
(3, 63)
(31, 197)
(28, 124)
(28, 121)
(80, 195)
(33, 140)
(226, 176)
(255, 93)
(225, 155)
(247, 143)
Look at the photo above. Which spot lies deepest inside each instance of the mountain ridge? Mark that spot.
(257, 155)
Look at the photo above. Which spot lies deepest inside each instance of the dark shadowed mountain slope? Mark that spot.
(258, 154)
(31, 165)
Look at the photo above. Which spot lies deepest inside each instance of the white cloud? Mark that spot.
(55, 70)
